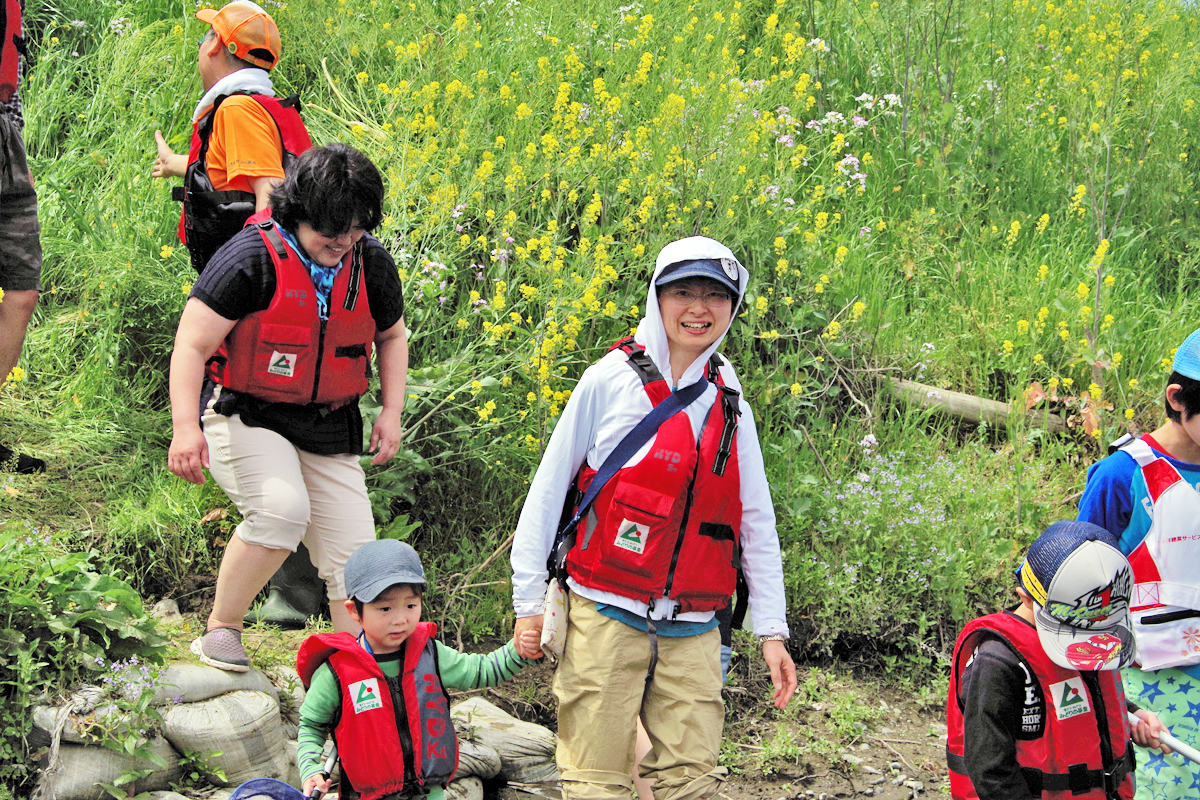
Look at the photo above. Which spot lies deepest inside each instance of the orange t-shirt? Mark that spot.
(244, 145)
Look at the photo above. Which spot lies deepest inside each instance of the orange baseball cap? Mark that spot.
(246, 30)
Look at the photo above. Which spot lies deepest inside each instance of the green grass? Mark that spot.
(535, 163)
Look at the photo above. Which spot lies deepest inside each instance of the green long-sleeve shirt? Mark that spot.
(457, 671)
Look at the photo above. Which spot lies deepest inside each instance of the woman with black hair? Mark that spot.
(273, 351)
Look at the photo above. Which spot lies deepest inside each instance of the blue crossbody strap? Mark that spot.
(633, 441)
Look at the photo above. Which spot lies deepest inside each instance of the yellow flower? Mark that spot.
(1094, 390)
(1039, 359)
(1008, 347)
(1129, 413)
(167, 251)
(1082, 291)
(760, 304)
(362, 77)
(819, 288)
(1043, 271)
(1133, 383)
(15, 376)
(1042, 222)
(1109, 281)
(858, 309)
(1022, 326)
(1014, 230)
(796, 389)
(462, 324)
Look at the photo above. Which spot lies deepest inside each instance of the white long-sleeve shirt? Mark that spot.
(605, 406)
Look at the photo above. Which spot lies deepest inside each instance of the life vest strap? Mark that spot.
(267, 226)
(356, 267)
(1077, 780)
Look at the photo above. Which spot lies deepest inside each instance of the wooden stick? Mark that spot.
(971, 408)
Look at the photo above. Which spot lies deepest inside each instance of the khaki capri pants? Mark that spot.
(287, 495)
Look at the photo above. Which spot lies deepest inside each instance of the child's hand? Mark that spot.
(528, 648)
(1146, 732)
(529, 641)
(316, 782)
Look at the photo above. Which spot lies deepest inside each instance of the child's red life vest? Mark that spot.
(210, 218)
(391, 734)
(1071, 744)
(11, 48)
(287, 353)
(1166, 595)
(670, 524)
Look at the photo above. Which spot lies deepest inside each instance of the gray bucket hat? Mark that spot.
(377, 565)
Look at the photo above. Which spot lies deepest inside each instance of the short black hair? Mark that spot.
(1188, 397)
(331, 188)
(416, 588)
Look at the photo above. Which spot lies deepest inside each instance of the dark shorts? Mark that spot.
(20, 243)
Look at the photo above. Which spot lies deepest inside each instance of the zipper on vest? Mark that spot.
(320, 360)
(406, 742)
(1107, 760)
(687, 513)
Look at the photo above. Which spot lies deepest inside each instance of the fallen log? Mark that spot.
(971, 408)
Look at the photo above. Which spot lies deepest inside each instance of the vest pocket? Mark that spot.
(284, 354)
(286, 335)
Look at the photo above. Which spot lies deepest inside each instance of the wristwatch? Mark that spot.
(774, 637)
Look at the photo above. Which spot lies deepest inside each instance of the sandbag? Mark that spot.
(243, 726)
(74, 726)
(476, 759)
(526, 750)
(81, 767)
(191, 683)
(465, 789)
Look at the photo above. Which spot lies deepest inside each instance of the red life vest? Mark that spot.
(1067, 737)
(12, 47)
(1166, 595)
(210, 218)
(287, 353)
(670, 524)
(390, 733)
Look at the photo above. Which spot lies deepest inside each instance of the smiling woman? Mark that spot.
(663, 533)
(274, 348)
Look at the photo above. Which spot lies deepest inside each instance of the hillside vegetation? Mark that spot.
(975, 195)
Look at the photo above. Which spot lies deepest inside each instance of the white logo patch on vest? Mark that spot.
(365, 695)
(632, 537)
(282, 364)
(1070, 698)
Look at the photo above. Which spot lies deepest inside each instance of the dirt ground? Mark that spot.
(844, 736)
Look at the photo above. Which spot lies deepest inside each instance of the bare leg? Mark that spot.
(245, 569)
(342, 621)
(15, 312)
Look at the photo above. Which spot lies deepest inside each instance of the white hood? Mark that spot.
(652, 335)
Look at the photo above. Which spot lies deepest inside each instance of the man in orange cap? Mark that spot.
(242, 136)
(241, 141)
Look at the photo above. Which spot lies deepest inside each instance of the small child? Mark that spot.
(1036, 708)
(383, 695)
(1145, 495)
